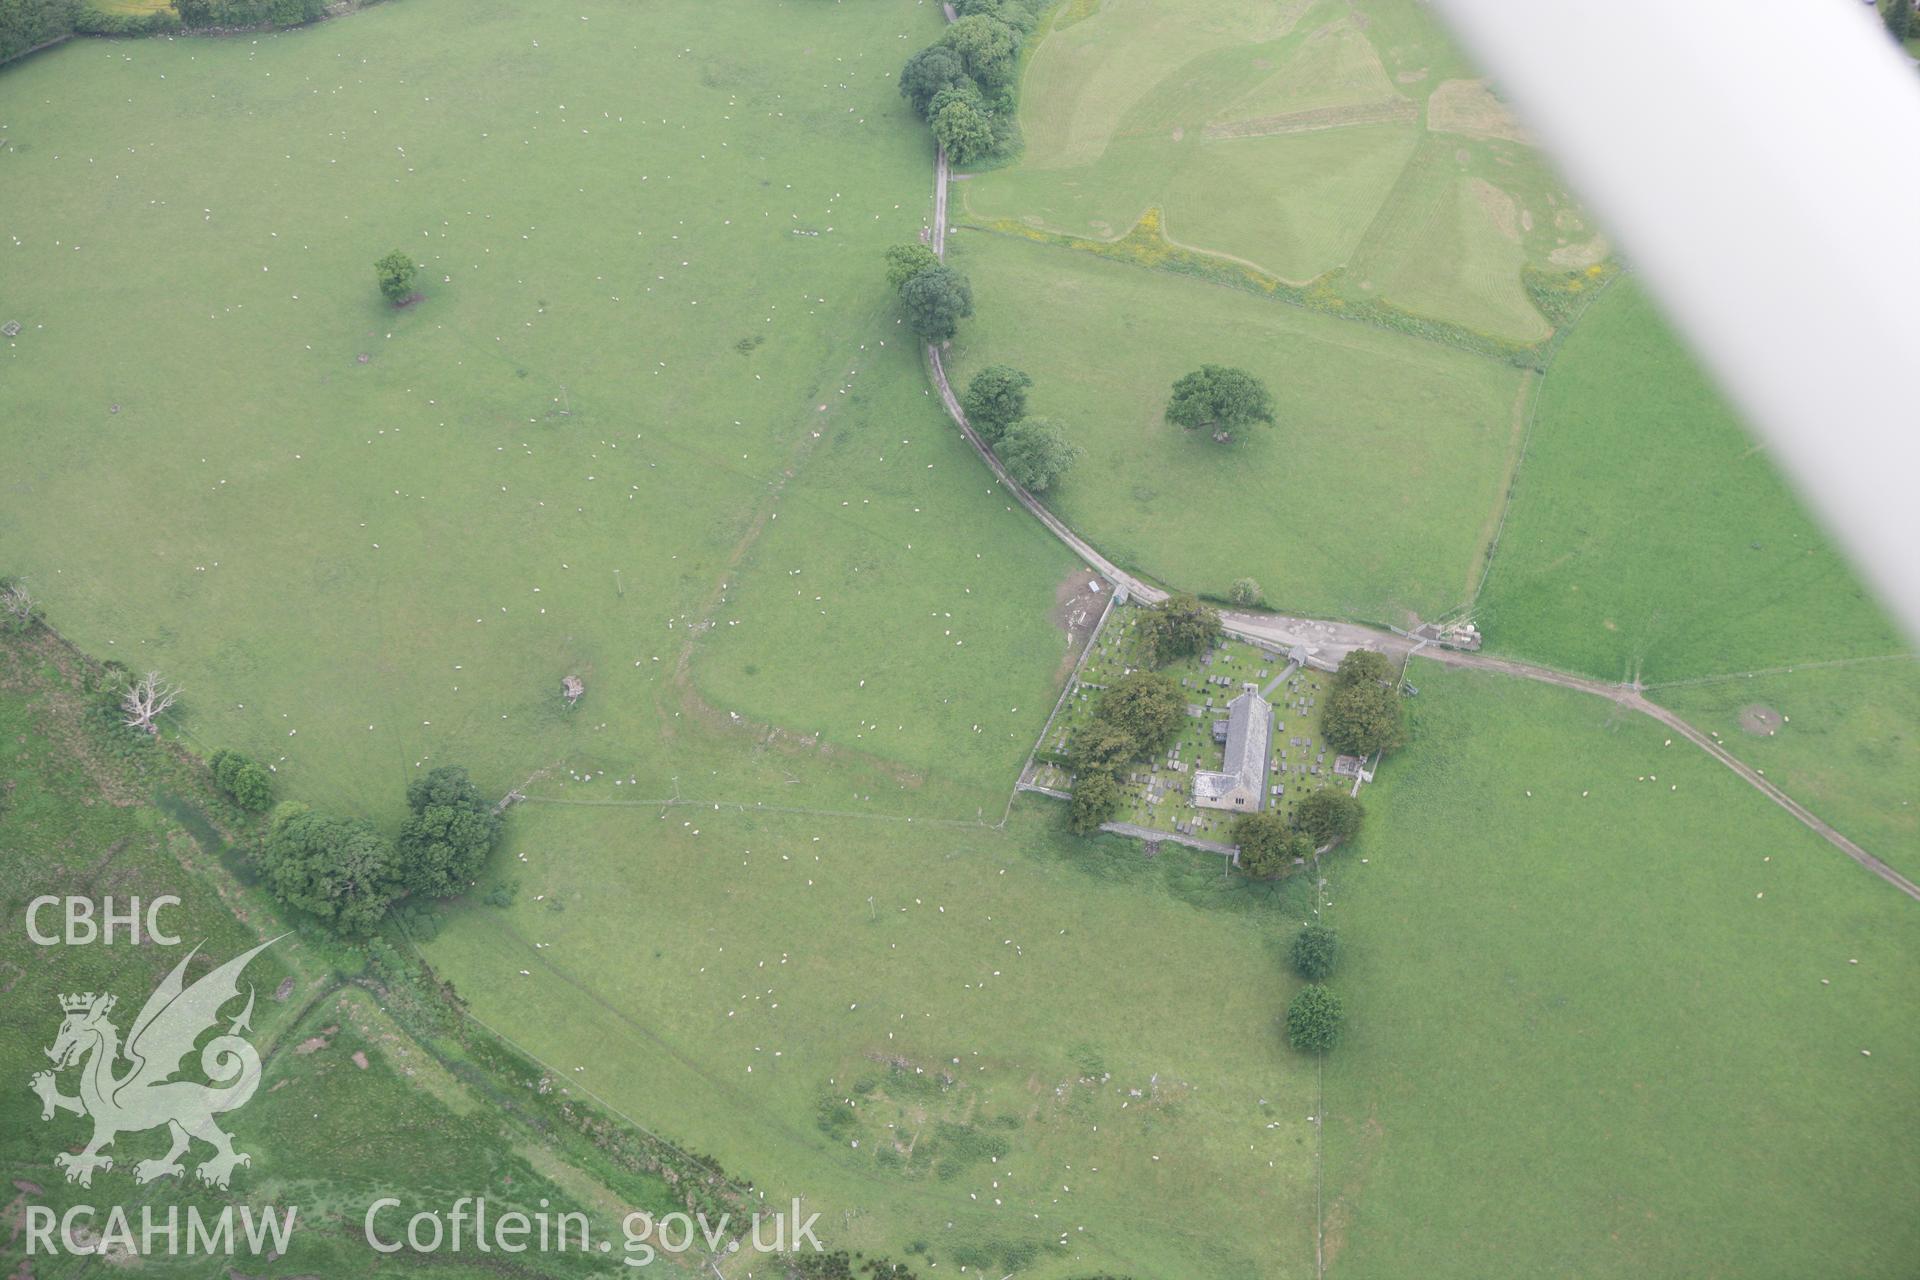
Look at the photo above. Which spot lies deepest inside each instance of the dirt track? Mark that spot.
(1332, 640)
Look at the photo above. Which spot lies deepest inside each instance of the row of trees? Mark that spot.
(29, 24)
(963, 84)
(1315, 1015)
(1139, 716)
(1269, 843)
(348, 874)
(1035, 451)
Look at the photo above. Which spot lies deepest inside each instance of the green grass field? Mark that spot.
(1649, 533)
(369, 541)
(1371, 497)
(1841, 740)
(1305, 138)
(899, 1022)
(1590, 1034)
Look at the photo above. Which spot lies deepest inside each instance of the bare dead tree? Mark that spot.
(146, 699)
(18, 609)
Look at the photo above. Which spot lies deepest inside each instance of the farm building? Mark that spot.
(1249, 733)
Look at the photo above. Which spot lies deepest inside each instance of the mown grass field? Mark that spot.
(651, 249)
(1650, 535)
(1310, 139)
(1371, 497)
(1616, 1033)
(962, 1044)
(1841, 740)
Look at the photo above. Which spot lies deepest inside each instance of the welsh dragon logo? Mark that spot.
(143, 1094)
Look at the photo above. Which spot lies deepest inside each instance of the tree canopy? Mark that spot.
(1147, 705)
(1363, 666)
(1244, 591)
(929, 71)
(1221, 399)
(249, 785)
(1363, 718)
(1315, 952)
(396, 273)
(1313, 1019)
(1178, 627)
(996, 398)
(1268, 845)
(1096, 798)
(340, 869)
(986, 48)
(962, 123)
(905, 261)
(1329, 816)
(936, 301)
(1036, 452)
(446, 839)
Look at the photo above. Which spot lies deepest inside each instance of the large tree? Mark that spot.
(928, 72)
(1147, 705)
(1315, 951)
(1361, 719)
(1329, 817)
(1102, 746)
(446, 839)
(396, 273)
(1036, 452)
(936, 301)
(905, 261)
(1268, 845)
(996, 398)
(1096, 798)
(340, 869)
(1313, 1019)
(1363, 666)
(986, 47)
(1178, 627)
(1221, 399)
(962, 123)
(249, 785)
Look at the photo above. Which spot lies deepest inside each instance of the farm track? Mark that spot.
(1336, 638)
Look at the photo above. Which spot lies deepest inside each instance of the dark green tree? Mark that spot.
(1178, 627)
(396, 273)
(1268, 845)
(1329, 817)
(1313, 1019)
(996, 398)
(1315, 951)
(1148, 706)
(1363, 666)
(1102, 746)
(905, 261)
(1898, 15)
(1036, 453)
(928, 72)
(936, 301)
(962, 123)
(986, 47)
(1221, 399)
(446, 840)
(249, 785)
(339, 869)
(1361, 719)
(1096, 798)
